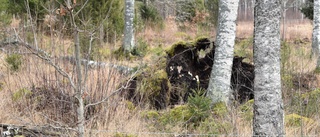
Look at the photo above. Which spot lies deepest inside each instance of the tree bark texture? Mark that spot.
(268, 105)
(78, 90)
(316, 30)
(128, 43)
(219, 84)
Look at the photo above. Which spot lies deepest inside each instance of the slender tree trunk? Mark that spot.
(128, 43)
(78, 86)
(268, 105)
(78, 90)
(316, 31)
(219, 84)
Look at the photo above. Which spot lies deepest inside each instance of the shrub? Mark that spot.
(213, 7)
(199, 106)
(141, 48)
(186, 9)
(246, 110)
(306, 104)
(14, 61)
(20, 93)
(149, 13)
(296, 120)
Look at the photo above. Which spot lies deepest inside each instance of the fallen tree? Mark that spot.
(21, 130)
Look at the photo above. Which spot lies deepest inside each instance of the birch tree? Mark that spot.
(316, 31)
(219, 84)
(268, 104)
(128, 44)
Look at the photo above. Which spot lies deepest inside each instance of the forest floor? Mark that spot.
(35, 95)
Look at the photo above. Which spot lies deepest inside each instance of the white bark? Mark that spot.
(316, 30)
(268, 104)
(128, 43)
(219, 84)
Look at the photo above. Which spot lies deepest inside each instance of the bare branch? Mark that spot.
(41, 54)
(115, 92)
(81, 8)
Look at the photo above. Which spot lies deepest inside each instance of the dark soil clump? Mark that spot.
(188, 67)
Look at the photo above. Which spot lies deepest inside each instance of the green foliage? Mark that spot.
(141, 48)
(214, 127)
(14, 61)
(104, 53)
(246, 110)
(20, 93)
(295, 120)
(199, 106)
(220, 109)
(197, 115)
(317, 70)
(149, 13)
(213, 8)
(307, 9)
(152, 85)
(108, 13)
(177, 115)
(196, 111)
(243, 48)
(306, 104)
(171, 50)
(186, 9)
(85, 47)
(1, 86)
(286, 74)
(130, 105)
(158, 51)
(121, 54)
(5, 17)
(150, 115)
(18, 7)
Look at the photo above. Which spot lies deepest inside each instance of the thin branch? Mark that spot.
(41, 54)
(81, 8)
(113, 93)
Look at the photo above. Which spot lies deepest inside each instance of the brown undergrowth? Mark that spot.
(36, 94)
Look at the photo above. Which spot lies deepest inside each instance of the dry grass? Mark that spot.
(116, 115)
(293, 30)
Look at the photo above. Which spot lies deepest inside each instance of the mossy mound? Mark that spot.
(150, 87)
(197, 116)
(295, 120)
(186, 67)
(189, 67)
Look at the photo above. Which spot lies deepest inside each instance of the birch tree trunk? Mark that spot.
(128, 43)
(316, 31)
(219, 84)
(268, 105)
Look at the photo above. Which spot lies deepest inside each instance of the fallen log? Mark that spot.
(15, 130)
